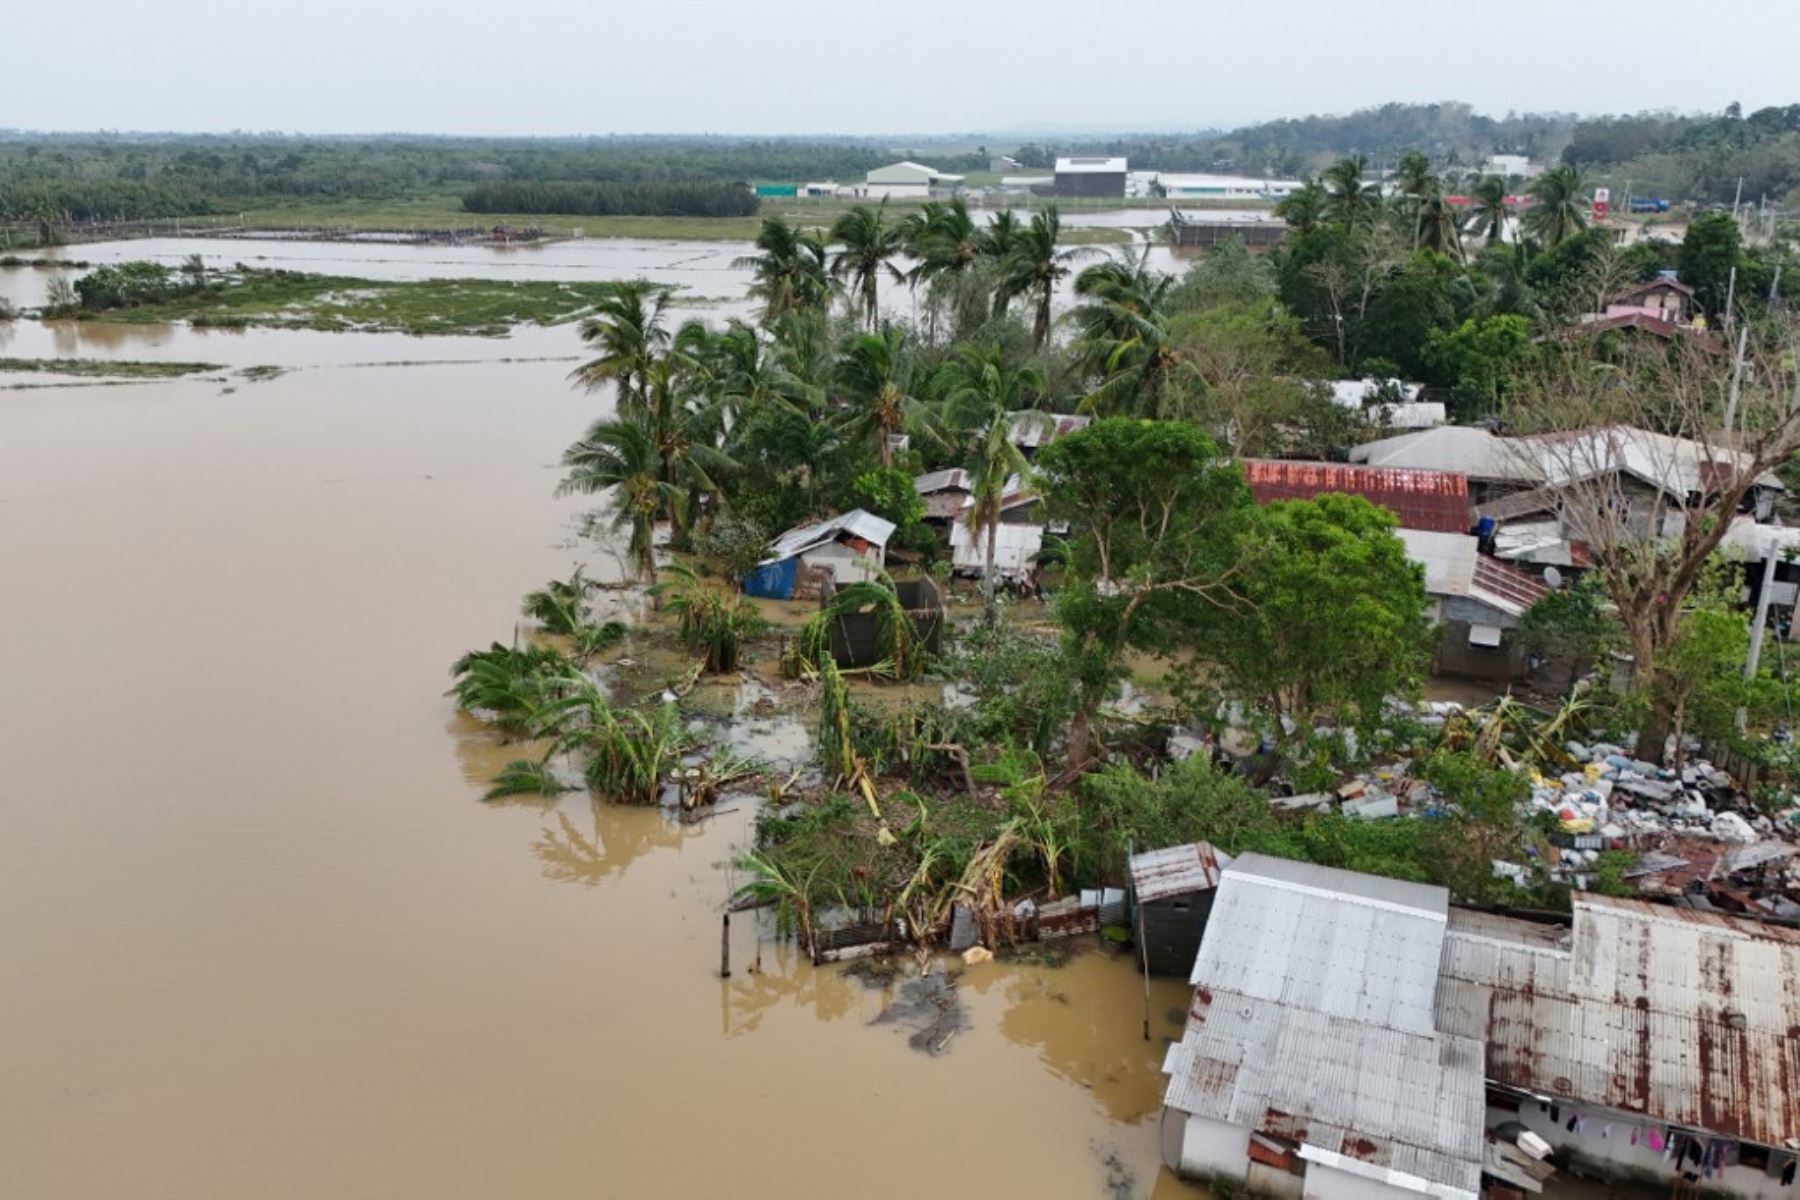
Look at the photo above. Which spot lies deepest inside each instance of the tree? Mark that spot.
(868, 244)
(1035, 266)
(1154, 513)
(1304, 208)
(1228, 273)
(1330, 617)
(1348, 201)
(1477, 361)
(1557, 206)
(628, 330)
(621, 455)
(1489, 194)
(1712, 247)
(946, 246)
(880, 377)
(1249, 364)
(983, 397)
(789, 269)
(1697, 440)
(1124, 336)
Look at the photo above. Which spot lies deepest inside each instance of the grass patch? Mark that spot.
(343, 304)
(105, 368)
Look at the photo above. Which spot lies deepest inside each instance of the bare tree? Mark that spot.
(1648, 454)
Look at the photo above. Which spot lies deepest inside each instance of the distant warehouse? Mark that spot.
(909, 180)
(1090, 177)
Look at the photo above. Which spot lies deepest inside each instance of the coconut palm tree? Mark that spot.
(1303, 208)
(1436, 226)
(984, 397)
(789, 269)
(997, 244)
(878, 374)
(1557, 210)
(868, 246)
(1348, 201)
(946, 245)
(685, 427)
(1124, 335)
(1489, 194)
(621, 454)
(628, 329)
(1035, 266)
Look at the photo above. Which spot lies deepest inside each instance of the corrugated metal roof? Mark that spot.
(1335, 942)
(952, 478)
(1031, 428)
(1448, 559)
(855, 523)
(1435, 500)
(1176, 870)
(1409, 1105)
(1090, 166)
(1686, 1017)
(1468, 451)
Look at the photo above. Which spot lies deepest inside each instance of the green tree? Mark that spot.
(868, 245)
(1477, 360)
(789, 270)
(628, 329)
(1305, 207)
(1123, 337)
(1035, 266)
(1330, 618)
(1348, 201)
(1489, 194)
(879, 377)
(1712, 247)
(1558, 208)
(621, 455)
(1153, 512)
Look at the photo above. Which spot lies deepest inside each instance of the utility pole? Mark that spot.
(1737, 199)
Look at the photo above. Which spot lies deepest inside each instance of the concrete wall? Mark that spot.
(1206, 1147)
(1615, 1149)
(1329, 1183)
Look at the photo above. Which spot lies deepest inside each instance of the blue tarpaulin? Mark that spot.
(772, 581)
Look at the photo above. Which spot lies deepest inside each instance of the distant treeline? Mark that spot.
(655, 198)
(97, 200)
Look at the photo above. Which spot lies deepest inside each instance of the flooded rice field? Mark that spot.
(259, 936)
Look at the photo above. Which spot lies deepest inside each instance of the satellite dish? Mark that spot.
(1553, 578)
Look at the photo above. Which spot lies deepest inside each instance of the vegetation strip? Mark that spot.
(101, 367)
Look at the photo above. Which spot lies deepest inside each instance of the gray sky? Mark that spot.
(840, 66)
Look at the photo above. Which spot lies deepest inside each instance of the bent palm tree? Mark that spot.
(1035, 266)
(1556, 211)
(869, 246)
(1303, 208)
(627, 327)
(877, 372)
(1124, 335)
(1490, 204)
(1348, 201)
(621, 456)
(789, 270)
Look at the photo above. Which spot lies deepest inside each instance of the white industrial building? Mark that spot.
(909, 180)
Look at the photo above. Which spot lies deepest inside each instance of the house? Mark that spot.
(1476, 600)
(944, 493)
(1311, 1063)
(1655, 1040)
(1488, 462)
(1031, 428)
(1510, 166)
(1172, 892)
(1434, 500)
(909, 180)
(1201, 230)
(1665, 297)
(844, 549)
(1227, 187)
(1387, 403)
(1090, 176)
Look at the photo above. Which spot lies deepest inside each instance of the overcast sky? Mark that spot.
(840, 66)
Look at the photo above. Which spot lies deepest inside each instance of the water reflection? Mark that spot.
(621, 835)
(781, 974)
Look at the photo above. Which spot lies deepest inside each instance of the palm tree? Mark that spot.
(869, 246)
(1035, 266)
(685, 427)
(1436, 226)
(621, 455)
(985, 397)
(790, 274)
(1490, 203)
(1557, 210)
(877, 373)
(998, 241)
(1124, 335)
(1303, 208)
(946, 244)
(627, 328)
(1348, 201)
(1413, 175)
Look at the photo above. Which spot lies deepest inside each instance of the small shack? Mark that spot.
(848, 548)
(1173, 891)
(944, 493)
(856, 639)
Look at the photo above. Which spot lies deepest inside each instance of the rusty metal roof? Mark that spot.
(1176, 871)
(1685, 1017)
(1433, 500)
(1404, 1108)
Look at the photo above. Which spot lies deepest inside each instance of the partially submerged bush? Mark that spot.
(715, 623)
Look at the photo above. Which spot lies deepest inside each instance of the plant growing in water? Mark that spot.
(715, 624)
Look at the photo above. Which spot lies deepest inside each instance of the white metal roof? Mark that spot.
(1460, 448)
(1336, 942)
(1355, 393)
(1176, 870)
(1030, 428)
(855, 523)
(908, 171)
(1407, 1107)
(952, 478)
(1448, 559)
(1090, 166)
(1422, 414)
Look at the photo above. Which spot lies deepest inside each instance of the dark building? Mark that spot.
(1173, 891)
(1090, 177)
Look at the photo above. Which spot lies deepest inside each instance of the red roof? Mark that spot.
(1431, 500)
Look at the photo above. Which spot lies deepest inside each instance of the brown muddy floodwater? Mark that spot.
(258, 936)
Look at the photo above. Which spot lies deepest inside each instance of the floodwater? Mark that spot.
(259, 937)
